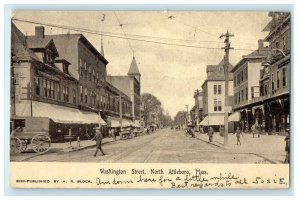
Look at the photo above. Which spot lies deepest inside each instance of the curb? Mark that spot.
(85, 147)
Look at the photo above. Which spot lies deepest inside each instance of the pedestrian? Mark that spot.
(98, 137)
(253, 130)
(222, 130)
(210, 134)
(238, 133)
(287, 147)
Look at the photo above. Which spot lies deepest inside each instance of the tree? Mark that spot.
(152, 108)
(180, 118)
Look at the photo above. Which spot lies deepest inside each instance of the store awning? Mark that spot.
(234, 117)
(215, 120)
(136, 124)
(113, 122)
(126, 123)
(66, 115)
(204, 122)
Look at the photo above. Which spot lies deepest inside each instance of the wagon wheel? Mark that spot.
(15, 145)
(23, 146)
(41, 143)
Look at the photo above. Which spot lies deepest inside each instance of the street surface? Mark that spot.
(173, 146)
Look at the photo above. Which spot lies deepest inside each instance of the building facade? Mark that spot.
(246, 84)
(270, 110)
(44, 94)
(213, 90)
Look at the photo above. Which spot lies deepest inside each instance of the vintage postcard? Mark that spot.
(150, 99)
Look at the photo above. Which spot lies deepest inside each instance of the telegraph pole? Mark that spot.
(227, 47)
(121, 111)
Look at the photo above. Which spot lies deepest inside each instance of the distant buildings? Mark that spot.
(131, 86)
(197, 110)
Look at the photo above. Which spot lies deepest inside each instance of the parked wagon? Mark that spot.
(40, 142)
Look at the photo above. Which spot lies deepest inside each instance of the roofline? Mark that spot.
(243, 60)
(100, 55)
(277, 27)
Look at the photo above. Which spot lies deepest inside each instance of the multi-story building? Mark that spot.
(273, 105)
(246, 87)
(213, 90)
(119, 109)
(45, 94)
(131, 86)
(88, 67)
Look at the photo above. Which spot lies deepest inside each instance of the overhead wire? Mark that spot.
(84, 30)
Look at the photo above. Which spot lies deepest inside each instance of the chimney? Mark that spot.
(260, 44)
(39, 31)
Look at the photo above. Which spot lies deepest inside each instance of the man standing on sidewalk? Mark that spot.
(210, 134)
(98, 137)
(238, 133)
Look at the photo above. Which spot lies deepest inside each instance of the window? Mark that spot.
(215, 89)
(85, 95)
(242, 76)
(66, 94)
(252, 92)
(234, 81)
(58, 91)
(246, 93)
(272, 83)
(74, 96)
(81, 93)
(235, 101)
(284, 43)
(266, 89)
(53, 89)
(239, 97)
(90, 73)
(65, 68)
(49, 89)
(283, 77)
(246, 73)
(37, 86)
(242, 95)
(217, 105)
(45, 88)
(94, 76)
(219, 89)
(278, 79)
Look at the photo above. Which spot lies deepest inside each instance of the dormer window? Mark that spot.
(48, 58)
(65, 68)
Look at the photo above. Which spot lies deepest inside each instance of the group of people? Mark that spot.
(238, 132)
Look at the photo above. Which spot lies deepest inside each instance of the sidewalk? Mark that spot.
(84, 144)
(269, 147)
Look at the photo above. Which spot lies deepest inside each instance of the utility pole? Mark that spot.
(121, 111)
(227, 47)
(187, 113)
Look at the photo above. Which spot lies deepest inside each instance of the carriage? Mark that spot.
(23, 137)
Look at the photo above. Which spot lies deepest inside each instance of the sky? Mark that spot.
(171, 73)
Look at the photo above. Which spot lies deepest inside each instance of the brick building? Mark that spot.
(44, 93)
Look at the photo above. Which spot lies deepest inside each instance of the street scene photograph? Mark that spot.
(150, 86)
